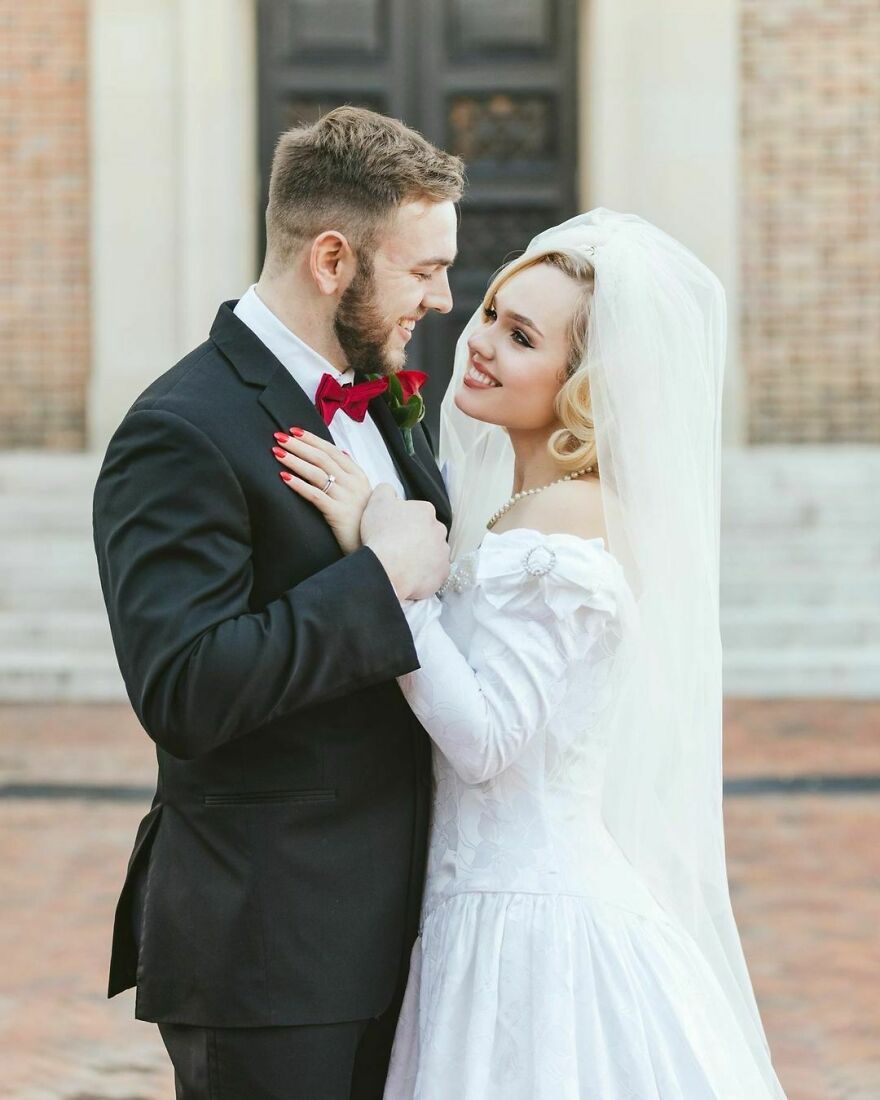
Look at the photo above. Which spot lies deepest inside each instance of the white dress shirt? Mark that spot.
(363, 440)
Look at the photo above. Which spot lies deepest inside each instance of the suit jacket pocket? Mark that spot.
(270, 798)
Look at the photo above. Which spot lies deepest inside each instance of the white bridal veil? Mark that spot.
(655, 359)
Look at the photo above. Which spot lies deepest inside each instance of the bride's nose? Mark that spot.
(479, 344)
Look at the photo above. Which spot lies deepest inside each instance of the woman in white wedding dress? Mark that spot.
(577, 941)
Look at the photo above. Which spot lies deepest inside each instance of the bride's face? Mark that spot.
(518, 357)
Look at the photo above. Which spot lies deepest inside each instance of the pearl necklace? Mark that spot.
(531, 492)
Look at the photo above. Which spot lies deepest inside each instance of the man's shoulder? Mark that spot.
(188, 381)
(198, 393)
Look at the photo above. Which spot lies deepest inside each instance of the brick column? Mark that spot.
(811, 220)
(44, 224)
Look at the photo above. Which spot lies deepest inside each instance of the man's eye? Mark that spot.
(421, 275)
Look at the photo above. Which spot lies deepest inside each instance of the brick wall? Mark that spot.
(44, 204)
(810, 219)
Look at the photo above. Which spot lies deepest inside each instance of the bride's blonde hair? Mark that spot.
(573, 446)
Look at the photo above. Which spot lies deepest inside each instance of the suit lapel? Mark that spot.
(284, 400)
(419, 471)
(288, 405)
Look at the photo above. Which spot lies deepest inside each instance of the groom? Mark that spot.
(273, 893)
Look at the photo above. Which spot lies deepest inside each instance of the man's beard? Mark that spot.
(360, 329)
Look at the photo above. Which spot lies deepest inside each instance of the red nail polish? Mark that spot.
(279, 452)
(281, 437)
(296, 432)
(285, 474)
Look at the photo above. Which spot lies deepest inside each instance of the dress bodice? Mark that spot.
(517, 678)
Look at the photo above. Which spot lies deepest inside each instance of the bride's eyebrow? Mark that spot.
(521, 320)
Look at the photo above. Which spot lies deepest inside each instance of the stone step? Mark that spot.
(742, 628)
(807, 589)
(802, 466)
(77, 677)
(808, 673)
(800, 576)
(766, 626)
(57, 553)
(37, 518)
(36, 513)
(59, 676)
(62, 575)
(57, 572)
(765, 495)
(47, 474)
(35, 600)
(817, 552)
(770, 518)
(765, 520)
(85, 631)
(74, 676)
(71, 553)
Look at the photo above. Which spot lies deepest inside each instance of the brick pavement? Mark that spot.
(803, 872)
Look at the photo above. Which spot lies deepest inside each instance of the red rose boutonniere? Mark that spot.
(406, 403)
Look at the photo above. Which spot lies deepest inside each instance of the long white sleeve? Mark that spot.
(482, 708)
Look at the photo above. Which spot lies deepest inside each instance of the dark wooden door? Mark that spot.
(494, 81)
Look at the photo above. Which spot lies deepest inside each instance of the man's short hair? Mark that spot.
(350, 171)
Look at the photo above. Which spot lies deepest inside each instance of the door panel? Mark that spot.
(494, 82)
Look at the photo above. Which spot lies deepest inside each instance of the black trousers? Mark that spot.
(347, 1061)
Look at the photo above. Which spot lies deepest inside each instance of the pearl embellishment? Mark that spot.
(538, 561)
(531, 492)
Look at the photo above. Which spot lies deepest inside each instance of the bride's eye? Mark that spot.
(489, 313)
(520, 338)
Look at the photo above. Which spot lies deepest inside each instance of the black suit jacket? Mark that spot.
(280, 869)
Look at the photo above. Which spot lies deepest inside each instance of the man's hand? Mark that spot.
(409, 541)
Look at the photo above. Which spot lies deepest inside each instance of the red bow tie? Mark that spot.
(352, 398)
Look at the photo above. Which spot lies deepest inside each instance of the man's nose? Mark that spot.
(439, 297)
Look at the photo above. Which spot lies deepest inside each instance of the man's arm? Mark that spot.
(174, 553)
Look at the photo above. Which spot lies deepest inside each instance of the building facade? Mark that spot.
(136, 139)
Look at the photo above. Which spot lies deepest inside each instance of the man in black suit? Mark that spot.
(273, 893)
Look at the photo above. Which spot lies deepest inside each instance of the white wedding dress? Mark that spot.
(544, 969)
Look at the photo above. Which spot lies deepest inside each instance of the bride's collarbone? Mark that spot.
(567, 508)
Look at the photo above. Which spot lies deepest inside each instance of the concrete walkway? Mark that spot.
(804, 863)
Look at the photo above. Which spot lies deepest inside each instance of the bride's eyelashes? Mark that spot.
(517, 336)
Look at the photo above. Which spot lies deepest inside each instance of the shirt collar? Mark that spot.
(303, 362)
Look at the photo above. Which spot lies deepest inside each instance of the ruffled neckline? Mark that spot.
(562, 570)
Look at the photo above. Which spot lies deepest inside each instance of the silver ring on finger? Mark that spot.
(330, 480)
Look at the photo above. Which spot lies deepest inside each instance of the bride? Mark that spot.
(577, 939)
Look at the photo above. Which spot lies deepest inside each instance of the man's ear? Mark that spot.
(332, 262)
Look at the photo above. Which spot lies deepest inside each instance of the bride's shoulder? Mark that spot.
(566, 508)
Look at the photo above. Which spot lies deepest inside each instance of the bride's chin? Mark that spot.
(465, 403)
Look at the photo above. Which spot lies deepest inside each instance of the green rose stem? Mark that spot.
(406, 413)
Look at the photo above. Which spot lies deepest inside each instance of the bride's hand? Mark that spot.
(308, 461)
